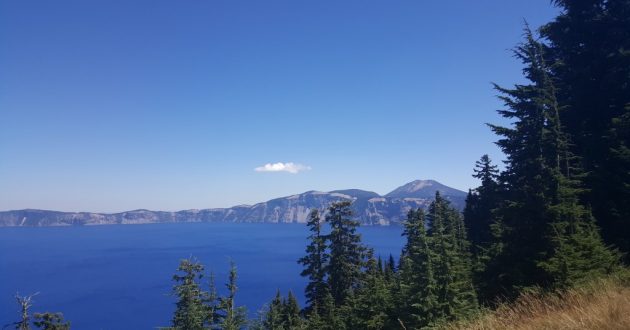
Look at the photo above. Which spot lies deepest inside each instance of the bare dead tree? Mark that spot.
(25, 303)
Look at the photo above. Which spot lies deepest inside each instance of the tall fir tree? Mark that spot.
(482, 225)
(273, 316)
(541, 211)
(212, 302)
(456, 297)
(480, 204)
(588, 44)
(315, 262)
(291, 313)
(346, 252)
(232, 317)
(283, 314)
(373, 301)
(418, 287)
(191, 310)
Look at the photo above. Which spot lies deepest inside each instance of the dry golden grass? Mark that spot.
(601, 304)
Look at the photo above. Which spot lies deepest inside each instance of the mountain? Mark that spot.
(369, 208)
(424, 189)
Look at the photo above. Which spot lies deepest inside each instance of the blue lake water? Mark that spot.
(119, 276)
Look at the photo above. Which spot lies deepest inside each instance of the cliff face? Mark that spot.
(369, 208)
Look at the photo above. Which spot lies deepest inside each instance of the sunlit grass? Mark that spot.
(599, 304)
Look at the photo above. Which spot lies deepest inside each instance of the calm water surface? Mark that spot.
(119, 277)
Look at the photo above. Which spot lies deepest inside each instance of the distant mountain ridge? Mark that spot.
(369, 208)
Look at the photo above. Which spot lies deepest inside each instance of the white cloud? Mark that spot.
(283, 167)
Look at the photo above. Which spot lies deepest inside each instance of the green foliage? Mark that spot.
(480, 204)
(417, 282)
(273, 315)
(292, 317)
(577, 254)
(283, 314)
(46, 320)
(450, 258)
(547, 236)
(331, 315)
(51, 321)
(589, 48)
(346, 252)
(372, 304)
(484, 228)
(191, 311)
(231, 317)
(200, 309)
(314, 263)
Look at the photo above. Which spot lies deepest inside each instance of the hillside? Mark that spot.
(369, 208)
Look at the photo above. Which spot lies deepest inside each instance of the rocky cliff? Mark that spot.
(369, 208)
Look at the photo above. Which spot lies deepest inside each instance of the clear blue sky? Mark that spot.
(116, 105)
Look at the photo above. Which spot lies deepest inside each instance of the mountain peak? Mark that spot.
(423, 189)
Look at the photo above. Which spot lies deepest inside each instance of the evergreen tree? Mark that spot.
(455, 293)
(480, 204)
(315, 263)
(51, 321)
(346, 252)
(418, 287)
(191, 312)
(542, 211)
(231, 316)
(273, 316)
(588, 46)
(314, 321)
(291, 313)
(390, 267)
(373, 302)
(212, 302)
(330, 318)
(481, 224)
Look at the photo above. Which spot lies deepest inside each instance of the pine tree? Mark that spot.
(314, 321)
(588, 46)
(418, 287)
(273, 315)
(232, 317)
(482, 225)
(346, 252)
(480, 204)
(212, 302)
(542, 212)
(373, 302)
(390, 267)
(291, 313)
(455, 293)
(191, 312)
(330, 318)
(315, 263)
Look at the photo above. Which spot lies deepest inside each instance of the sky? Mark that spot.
(109, 105)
